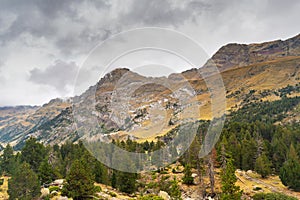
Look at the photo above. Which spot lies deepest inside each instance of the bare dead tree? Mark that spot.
(211, 173)
(200, 168)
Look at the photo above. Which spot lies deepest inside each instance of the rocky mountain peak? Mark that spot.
(113, 76)
(237, 55)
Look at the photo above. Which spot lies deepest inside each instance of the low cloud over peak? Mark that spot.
(60, 75)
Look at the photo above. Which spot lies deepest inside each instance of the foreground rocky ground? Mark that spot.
(250, 182)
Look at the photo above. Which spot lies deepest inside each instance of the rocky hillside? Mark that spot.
(17, 122)
(237, 55)
(125, 103)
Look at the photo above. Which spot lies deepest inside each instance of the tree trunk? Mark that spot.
(200, 170)
(200, 176)
(211, 174)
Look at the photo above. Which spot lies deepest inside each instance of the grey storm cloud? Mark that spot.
(75, 26)
(154, 13)
(59, 75)
(62, 75)
(1, 66)
(44, 18)
(47, 39)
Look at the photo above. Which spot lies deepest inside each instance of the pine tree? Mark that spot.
(249, 152)
(46, 173)
(263, 166)
(80, 182)
(234, 147)
(279, 153)
(8, 162)
(126, 182)
(187, 178)
(24, 184)
(229, 190)
(114, 179)
(100, 172)
(290, 172)
(33, 153)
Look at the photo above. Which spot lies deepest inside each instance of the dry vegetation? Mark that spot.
(3, 188)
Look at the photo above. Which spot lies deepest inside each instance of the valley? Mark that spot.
(257, 152)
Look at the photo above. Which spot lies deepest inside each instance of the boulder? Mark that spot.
(45, 192)
(164, 195)
(58, 182)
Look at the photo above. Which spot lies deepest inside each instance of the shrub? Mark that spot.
(154, 176)
(47, 197)
(188, 179)
(272, 196)
(150, 197)
(98, 188)
(174, 191)
(53, 188)
(152, 185)
(112, 194)
(257, 188)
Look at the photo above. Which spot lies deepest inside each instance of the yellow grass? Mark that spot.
(4, 188)
(247, 181)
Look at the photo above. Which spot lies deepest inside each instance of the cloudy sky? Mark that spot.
(43, 44)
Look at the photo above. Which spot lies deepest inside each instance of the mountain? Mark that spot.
(17, 122)
(126, 104)
(237, 55)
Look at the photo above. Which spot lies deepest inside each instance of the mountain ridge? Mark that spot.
(234, 54)
(257, 67)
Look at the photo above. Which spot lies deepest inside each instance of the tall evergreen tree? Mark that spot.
(8, 162)
(249, 152)
(100, 171)
(33, 153)
(290, 172)
(126, 182)
(24, 184)
(229, 190)
(234, 147)
(279, 150)
(79, 182)
(263, 166)
(114, 179)
(46, 172)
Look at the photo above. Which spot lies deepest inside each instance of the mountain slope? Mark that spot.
(237, 55)
(251, 73)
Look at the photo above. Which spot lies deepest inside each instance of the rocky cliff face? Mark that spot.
(13, 121)
(17, 122)
(237, 55)
(124, 103)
